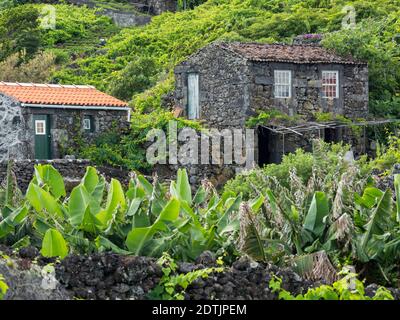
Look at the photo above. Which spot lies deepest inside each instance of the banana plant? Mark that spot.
(186, 225)
(147, 219)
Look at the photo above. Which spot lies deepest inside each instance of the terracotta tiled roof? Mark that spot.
(287, 53)
(54, 94)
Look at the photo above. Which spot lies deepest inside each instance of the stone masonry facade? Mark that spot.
(233, 88)
(13, 137)
(306, 89)
(66, 127)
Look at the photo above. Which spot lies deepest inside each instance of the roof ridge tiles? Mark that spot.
(48, 85)
(291, 53)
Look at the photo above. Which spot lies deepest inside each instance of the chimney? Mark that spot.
(311, 39)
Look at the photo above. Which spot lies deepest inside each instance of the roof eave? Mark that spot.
(67, 106)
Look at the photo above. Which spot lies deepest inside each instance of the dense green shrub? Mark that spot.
(19, 30)
(126, 148)
(77, 27)
(325, 159)
(387, 155)
(347, 288)
(385, 108)
(77, 32)
(372, 41)
(138, 76)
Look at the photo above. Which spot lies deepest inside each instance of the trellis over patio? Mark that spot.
(313, 126)
(303, 129)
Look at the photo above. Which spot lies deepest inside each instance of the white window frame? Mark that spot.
(43, 122)
(288, 75)
(336, 73)
(193, 83)
(87, 125)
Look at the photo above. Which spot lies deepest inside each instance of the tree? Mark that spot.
(138, 75)
(19, 30)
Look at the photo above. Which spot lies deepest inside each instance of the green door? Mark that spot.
(41, 125)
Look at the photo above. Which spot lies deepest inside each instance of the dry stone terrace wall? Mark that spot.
(155, 7)
(218, 175)
(71, 170)
(124, 19)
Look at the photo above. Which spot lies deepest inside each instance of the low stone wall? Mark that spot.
(111, 276)
(71, 170)
(126, 19)
(218, 175)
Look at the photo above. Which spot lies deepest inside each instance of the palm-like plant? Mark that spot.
(147, 219)
(308, 229)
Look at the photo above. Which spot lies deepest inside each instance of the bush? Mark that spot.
(372, 41)
(387, 155)
(127, 148)
(325, 158)
(136, 77)
(19, 30)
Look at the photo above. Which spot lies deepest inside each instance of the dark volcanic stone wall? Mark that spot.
(67, 127)
(71, 170)
(111, 276)
(224, 86)
(12, 130)
(307, 89)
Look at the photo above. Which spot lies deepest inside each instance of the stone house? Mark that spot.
(39, 121)
(224, 84)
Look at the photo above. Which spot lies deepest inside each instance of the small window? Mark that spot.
(40, 127)
(88, 123)
(283, 83)
(193, 96)
(330, 84)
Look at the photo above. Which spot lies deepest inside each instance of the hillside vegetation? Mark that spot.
(136, 64)
(170, 38)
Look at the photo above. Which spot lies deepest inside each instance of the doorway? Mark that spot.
(41, 125)
(268, 145)
(332, 135)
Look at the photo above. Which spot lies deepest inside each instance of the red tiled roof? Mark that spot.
(287, 53)
(55, 94)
